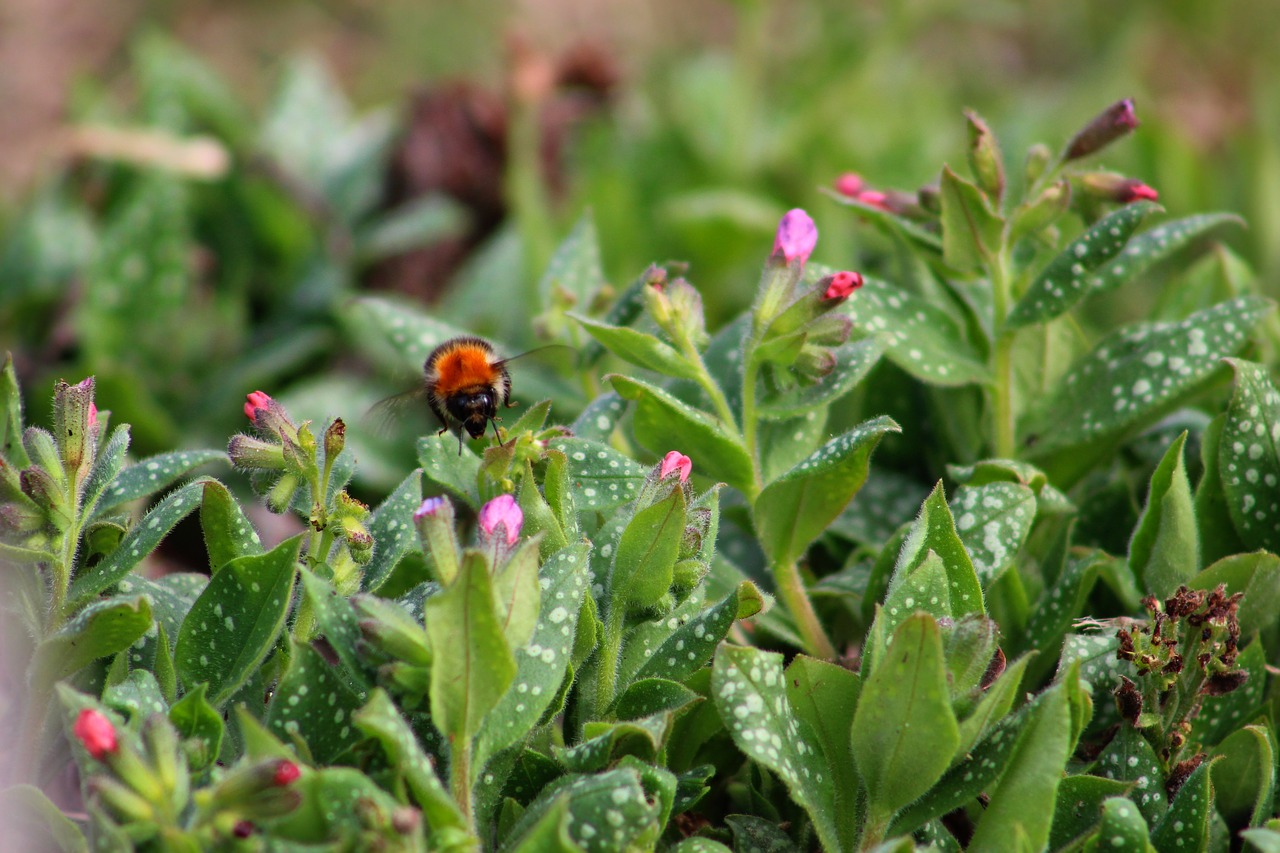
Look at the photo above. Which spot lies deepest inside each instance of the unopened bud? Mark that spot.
(796, 237)
(502, 518)
(1039, 214)
(96, 733)
(829, 330)
(406, 820)
(1112, 123)
(1117, 188)
(850, 184)
(815, 362)
(984, 156)
(281, 494)
(253, 454)
(335, 438)
(71, 422)
(840, 285)
(675, 462)
(1039, 156)
(121, 801)
(434, 520)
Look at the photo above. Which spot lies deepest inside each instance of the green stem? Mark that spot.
(607, 671)
(460, 779)
(750, 423)
(874, 830)
(792, 591)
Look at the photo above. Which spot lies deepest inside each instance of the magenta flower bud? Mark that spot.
(1137, 191)
(429, 507)
(874, 198)
(502, 517)
(797, 236)
(850, 184)
(676, 461)
(1108, 126)
(93, 415)
(243, 829)
(96, 733)
(840, 285)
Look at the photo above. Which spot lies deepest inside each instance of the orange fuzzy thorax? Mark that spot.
(464, 367)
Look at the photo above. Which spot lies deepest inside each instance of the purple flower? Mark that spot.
(429, 507)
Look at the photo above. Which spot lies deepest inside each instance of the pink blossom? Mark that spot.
(676, 461)
(843, 283)
(256, 400)
(850, 184)
(797, 236)
(95, 732)
(93, 415)
(502, 516)
(1136, 191)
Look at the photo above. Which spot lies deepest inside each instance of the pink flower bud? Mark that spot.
(95, 732)
(796, 237)
(93, 415)
(286, 773)
(502, 517)
(676, 461)
(1106, 127)
(873, 198)
(256, 400)
(843, 283)
(243, 829)
(1136, 191)
(850, 184)
(429, 507)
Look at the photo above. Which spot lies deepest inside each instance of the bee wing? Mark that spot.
(389, 411)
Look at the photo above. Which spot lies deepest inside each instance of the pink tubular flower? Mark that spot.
(797, 236)
(429, 507)
(850, 184)
(1136, 191)
(254, 401)
(873, 198)
(286, 773)
(676, 461)
(95, 732)
(93, 415)
(502, 517)
(843, 283)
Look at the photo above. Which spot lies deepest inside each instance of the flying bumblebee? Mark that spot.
(465, 381)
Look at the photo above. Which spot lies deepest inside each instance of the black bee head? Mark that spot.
(473, 411)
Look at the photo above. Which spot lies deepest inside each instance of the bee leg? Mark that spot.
(459, 442)
(496, 434)
(511, 404)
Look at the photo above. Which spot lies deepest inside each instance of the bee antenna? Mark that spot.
(459, 442)
(532, 351)
(496, 434)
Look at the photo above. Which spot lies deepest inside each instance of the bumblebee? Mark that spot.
(466, 382)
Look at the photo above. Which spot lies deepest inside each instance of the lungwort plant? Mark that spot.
(1044, 621)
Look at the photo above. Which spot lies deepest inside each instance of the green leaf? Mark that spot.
(691, 645)
(649, 697)
(904, 733)
(1257, 576)
(970, 230)
(624, 311)
(1049, 501)
(1023, 800)
(575, 267)
(1064, 281)
(152, 475)
(991, 708)
(1218, 537)
(1265, 839)
(458, 473)
(605, 742)
(99, 630)
(993, 521)
(1186, 825)
(750, 693)
(919, 337)
(234, 623)
(106, 466)
(472, 665)
(640, 348)
(328, 810)
(598, 419)
(137, 696)
(1136, 374)
(1122, 827)
(891, 223)
(550, 833)
(1130, 758)
(1249, 457)
(698, 844)
(33, 822)
(313, 703)
(822, 695)
(1165, 551)
(397, 332)
(195, 718)
(614, 810)
(661, 422)
(379, 719)
(412, 225)
(141, 540)
(517, 594)
(228, 533)
(600, 478)
(393, 531)
(795, 509)
(886, 498)
(854, 361)
(1062, 603)
(340, 627)
(646, 554)
(1079, 808)
(1153, 246)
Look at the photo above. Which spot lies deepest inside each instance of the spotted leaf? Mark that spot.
(1130, 758)
(575, 267)
(1079, 807)
(99, 630)
(195, 719)
(228, 533)
(693, 643)
(1249, 457)
(340, 627)
(1221, 715)
(904, 732)
(1154, 246)
(312, 703)
(106, 467)
(1066, 279)
(598, 419)
(400, 333)
(748, 686)
(542, 663)
(1122, 828)
(993, 521)
(141, 540)
(1165, 550)
(1186, 825)
(457, 472)
(854, 361)
(152, 475)
(1136, 374)
(600, 478)
(620, 809)
(919, 337)
(796, 508)
(234, 623)
(640, 348)
(1061, 603)
(392, 530)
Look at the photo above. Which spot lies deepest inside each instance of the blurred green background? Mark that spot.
(193, 193)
